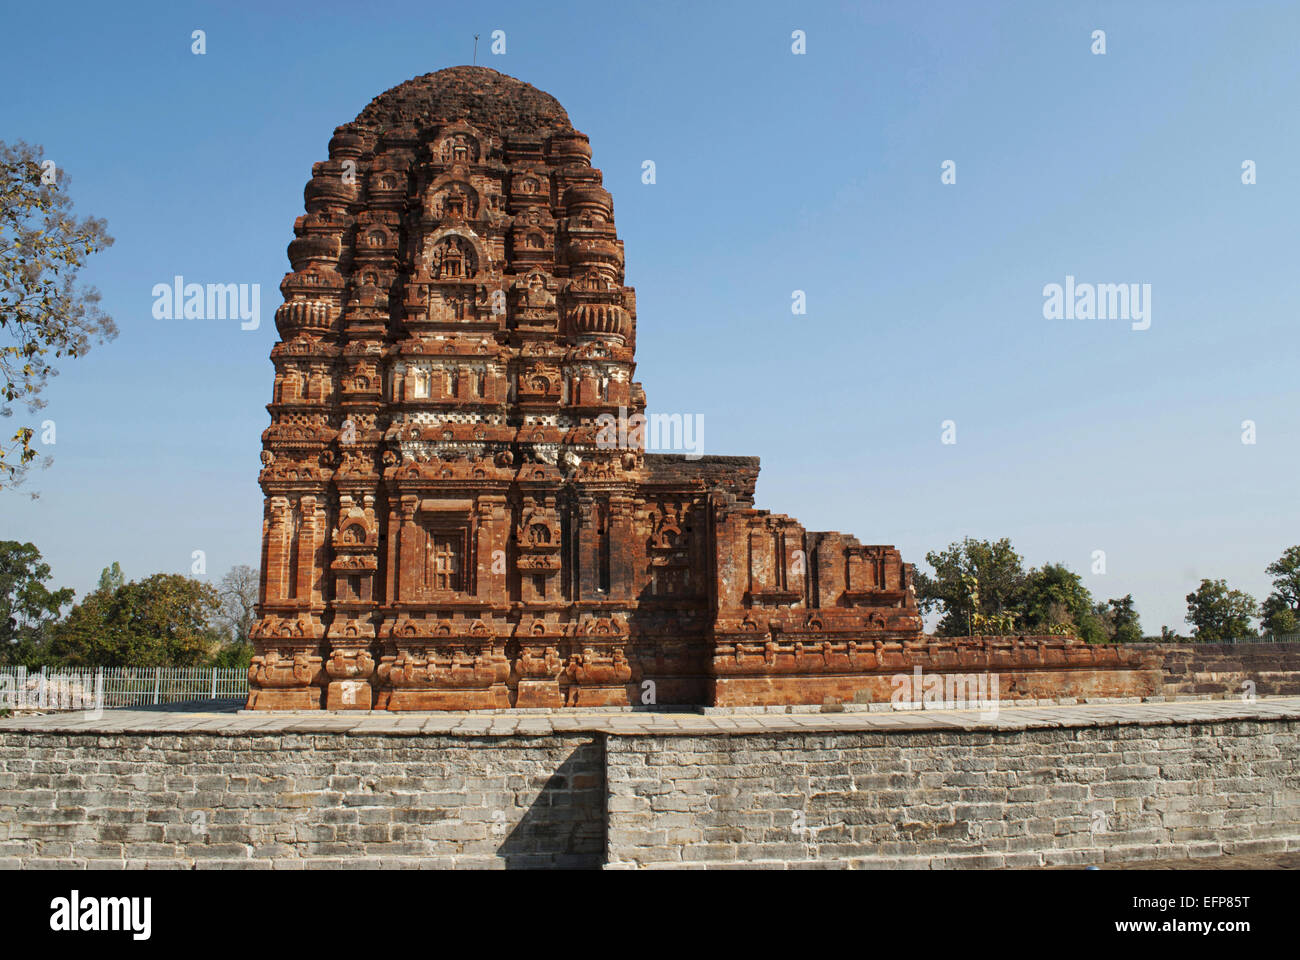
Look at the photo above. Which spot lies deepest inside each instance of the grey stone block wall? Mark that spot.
(1047, 786)
(287, 801)
(953, 799)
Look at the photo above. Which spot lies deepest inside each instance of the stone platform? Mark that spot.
(1027, 787)
(624, 721)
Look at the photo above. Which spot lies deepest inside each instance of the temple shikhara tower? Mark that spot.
(448, 525)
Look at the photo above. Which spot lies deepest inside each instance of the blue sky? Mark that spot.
(775, 173)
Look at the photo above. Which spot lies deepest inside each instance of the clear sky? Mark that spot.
(775, 172)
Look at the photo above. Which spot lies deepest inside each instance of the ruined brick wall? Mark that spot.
(1219, 669)
(293, 801)
(951, 800)
(459, 511)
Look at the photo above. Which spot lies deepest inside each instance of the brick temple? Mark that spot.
(450, 521)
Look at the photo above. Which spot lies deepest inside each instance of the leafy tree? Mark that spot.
(1102, 615)
(1217, 613)
(238, 654)
(1281, 608)
(1124, 625)
(27, 606)
(972, 579)
(1279, 619)
(44, 314)
(979, 584)
(1054, 600)
(111, 579)
(164, 620)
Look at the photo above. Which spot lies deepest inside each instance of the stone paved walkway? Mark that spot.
(510, 723)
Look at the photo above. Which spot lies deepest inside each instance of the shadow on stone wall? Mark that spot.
(565, 826)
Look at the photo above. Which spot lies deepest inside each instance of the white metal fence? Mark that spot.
(55, 688)
(1266, 638)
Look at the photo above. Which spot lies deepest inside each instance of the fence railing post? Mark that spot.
(214, 684)
(157, 682)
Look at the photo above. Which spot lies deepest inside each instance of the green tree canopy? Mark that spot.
(111, 579)
(1280, 620)
(983, 584)
(1124, 625)
(1217, 613)
(27, 606)
(164, 620)
(1053, 599)
(1281, 608)
(972, 577)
